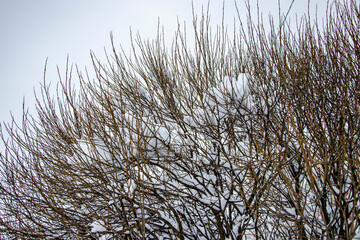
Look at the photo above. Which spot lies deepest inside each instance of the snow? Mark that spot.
(105, 237)
(98, 226)
(130, 186)
(357, 236)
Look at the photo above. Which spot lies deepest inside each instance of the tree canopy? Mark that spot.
(253, 136)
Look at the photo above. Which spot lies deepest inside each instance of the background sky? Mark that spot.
(33, 30)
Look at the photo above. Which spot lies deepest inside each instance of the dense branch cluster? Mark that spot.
(252, 137)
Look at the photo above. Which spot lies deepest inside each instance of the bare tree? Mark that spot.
(253, 136)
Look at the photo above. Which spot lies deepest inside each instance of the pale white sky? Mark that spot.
(33, 30)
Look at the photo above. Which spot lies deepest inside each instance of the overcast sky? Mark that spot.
(33, 30)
